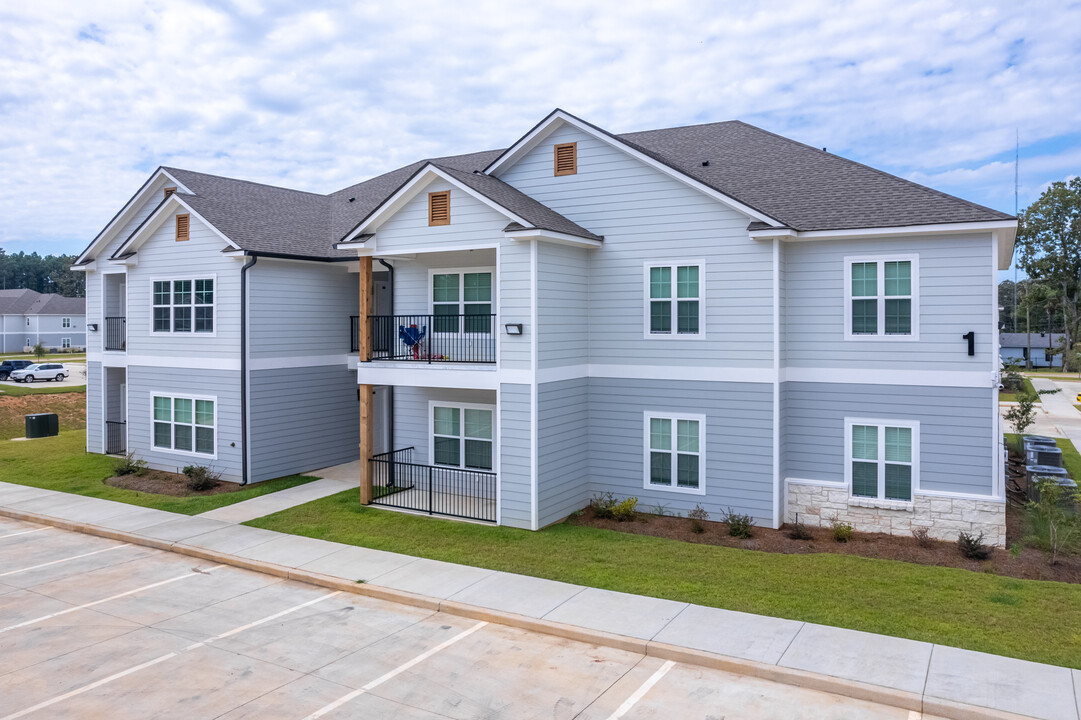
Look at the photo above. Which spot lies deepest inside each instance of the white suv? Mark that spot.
(41, 371)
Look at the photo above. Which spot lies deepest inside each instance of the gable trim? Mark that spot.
(167, 206)
(559, 117)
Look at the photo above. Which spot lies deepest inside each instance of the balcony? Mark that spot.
(116, 333)
(440, 338)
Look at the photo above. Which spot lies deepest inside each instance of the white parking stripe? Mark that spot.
(57, 562)
(50, 616)
(641, 691)
(161, 659)
(396, 671)
(24, 532)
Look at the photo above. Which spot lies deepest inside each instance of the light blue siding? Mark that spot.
(955, 281)
(515, 303)
(738, 443)
(411, 415)
(471, 222)
(646, 216)
(412, 277)
(956, 426)
(563, 449)
(515, 456)
(302, 420)
(562, 305)
(95, 420)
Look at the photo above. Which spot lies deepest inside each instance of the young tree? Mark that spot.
(1049, 246)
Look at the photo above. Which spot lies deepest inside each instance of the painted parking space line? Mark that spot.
(84, 606)
(162, 658)
(392, 674)
(64, 560)
(642, 690)
(23, 532)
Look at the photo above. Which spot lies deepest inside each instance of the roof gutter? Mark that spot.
(244, 433)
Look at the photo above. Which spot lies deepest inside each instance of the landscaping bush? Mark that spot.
(799, 531)
(697, 517)
(130, 465)
(626, 510)
(842, 531)
(1054, 518)
(607, 507)
(922, 536)
(1012, 380)
(973, 546)
(739, 525)
(201, 478)
(1022, 415)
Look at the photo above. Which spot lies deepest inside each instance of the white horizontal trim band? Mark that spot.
(298, 362)
(884, 376)
(840, 485)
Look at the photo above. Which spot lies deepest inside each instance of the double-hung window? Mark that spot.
(674, 306)
(65, 343)
(184, 424)
(184, 305)
(462, 302)
(882, 297)
(65, 322)
(674, 457)
(462, 436)
(882, 458)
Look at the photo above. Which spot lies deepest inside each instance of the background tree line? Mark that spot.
(44, 273)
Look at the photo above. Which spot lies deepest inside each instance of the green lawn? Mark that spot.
(39, 389)
(1020, 618)
(61, 463)
(59, 357)
(1012, 397)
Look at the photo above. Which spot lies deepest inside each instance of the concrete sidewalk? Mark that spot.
(1058, 408)
(918, 676)
(263, 505)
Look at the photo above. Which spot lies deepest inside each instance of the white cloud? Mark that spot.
(317, 96)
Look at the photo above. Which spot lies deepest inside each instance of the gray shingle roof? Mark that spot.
(1039, 340)
(31, 302)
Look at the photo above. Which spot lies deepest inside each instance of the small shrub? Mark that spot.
(739, 525)
(1016, 549)
(1055, 517)
(1048, 392)
(1022, 415)
(697, 517)
(842, 531)
(39, 351)
(799, 531)
(201, 478)
(922, 536)
(130, 465)
(625, 510)
(661, 510)
(602, 505)
(973, 546)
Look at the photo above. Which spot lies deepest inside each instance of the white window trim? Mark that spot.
(28, 343)
(647, 415)
(193, 398)
(881, 423)
(65, 322)
(432, 272)
(193, 278)
(27, 322)
(65, 343)
(673, 264)
(881, 335)
(432, 404)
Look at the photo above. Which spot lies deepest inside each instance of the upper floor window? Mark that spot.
(882, 297)
(675, 300)
(463, 436)
(65, 322)
(674, 457)
(27, 322)
(566, 159)
(439, 208)
(184, 305)
(882, 458)
(462, 302)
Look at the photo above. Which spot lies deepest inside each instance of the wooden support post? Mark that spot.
(365, 391)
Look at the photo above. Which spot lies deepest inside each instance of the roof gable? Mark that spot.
(166, 209)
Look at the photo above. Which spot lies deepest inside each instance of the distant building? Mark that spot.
(1014, 347)
(28, 317)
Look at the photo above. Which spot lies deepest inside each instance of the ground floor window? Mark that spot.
(882, 458)
(65, 343)
(184, 424)
(462, 436)
(674, 457)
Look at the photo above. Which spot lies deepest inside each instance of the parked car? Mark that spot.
(41, 371)
(8, 365)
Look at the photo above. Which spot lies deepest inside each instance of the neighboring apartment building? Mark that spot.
(710, 315)
(28, 317)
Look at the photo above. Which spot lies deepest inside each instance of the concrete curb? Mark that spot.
(775, 673)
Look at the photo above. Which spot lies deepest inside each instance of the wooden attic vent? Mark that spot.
(182, 228)
(439, 208)
(169, 191)
(566, 159)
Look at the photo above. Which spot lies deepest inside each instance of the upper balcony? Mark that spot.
(115, 336)
(468, 338)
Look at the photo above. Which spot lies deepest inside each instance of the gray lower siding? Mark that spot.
(94, 420)
(738, 442)
(515, 458)
(302, 421)
(563, 442)
(956, 430)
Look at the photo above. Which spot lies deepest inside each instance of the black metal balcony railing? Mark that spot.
(432, 489)
(354, 333)
(116, 333)
(458, 338)
(116, 437)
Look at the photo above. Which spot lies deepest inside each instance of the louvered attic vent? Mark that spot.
(566, 159)
(182, 228)
(169, 191)
(439, 208)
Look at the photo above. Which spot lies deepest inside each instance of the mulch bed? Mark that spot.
(1030, 564)
(160, 482)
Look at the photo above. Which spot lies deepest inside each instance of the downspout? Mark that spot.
(244, 369)
(390, 388)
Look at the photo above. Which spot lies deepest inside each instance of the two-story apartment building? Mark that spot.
(710, 315)
(28, 317)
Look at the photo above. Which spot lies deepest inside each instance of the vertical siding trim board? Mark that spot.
(778, 487)
(497, 461)
(533, 454)
(999, 479)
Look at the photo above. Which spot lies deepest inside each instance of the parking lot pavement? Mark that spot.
(91, 627)
(76, 376)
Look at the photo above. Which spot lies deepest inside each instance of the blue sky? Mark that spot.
(320, 95)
